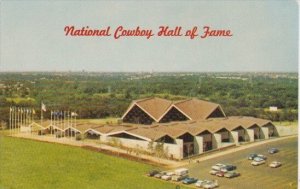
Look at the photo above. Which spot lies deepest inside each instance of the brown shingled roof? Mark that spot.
(196, 109)
(155, 107)
(148, 133)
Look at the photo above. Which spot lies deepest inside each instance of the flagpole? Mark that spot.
(21, 118)
(32, 114)
(64, 123)
(75, 126)
(15, 119)
(41, 113)
(51, 133)
(10, 113)
(69, 125)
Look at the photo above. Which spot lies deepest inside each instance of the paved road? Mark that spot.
(261, 177)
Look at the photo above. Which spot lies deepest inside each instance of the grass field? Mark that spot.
(30, 164)
(286, 123)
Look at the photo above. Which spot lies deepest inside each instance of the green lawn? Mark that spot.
(30, 164)
(286, 123)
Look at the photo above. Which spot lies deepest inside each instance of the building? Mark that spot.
(187, 138)
(184, 128)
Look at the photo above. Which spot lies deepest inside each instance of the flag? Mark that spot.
(74, 114)
(43, 107)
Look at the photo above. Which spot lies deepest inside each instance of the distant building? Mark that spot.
(273, 108)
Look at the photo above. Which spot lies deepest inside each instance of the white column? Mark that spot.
(250, 134)
(235, 137)
(179, 142)
(265, 131)
(198, 143)
(217, 141)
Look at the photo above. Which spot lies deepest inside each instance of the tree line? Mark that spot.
(101, 95)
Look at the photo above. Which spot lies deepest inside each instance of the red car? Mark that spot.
(220, 174)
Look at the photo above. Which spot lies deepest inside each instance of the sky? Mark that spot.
(265, 36)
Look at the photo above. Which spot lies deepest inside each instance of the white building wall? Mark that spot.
(235, 137)
(250, 134)
(217, 141)
(198, 144)
(172, 150)
(179, 142)
(265, 131)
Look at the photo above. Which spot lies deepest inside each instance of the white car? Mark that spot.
(218, 166)
(178, 177)
(213, 172)
(210, 184)
(261, 156)
(159, 175)
(181, 171)
(275, 164)
(167, 176)
(258, 161)
(200, 183)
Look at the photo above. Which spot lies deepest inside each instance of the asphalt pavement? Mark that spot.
(260, 177)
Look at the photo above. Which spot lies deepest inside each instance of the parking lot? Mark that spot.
(252, 177)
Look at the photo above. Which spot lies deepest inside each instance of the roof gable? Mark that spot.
(197, 109)
(154, 107)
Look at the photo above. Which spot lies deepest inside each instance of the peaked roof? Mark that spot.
(148, 133)
(154, 107)
(197, 109)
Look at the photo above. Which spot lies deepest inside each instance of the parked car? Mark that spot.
(275, 164)
(211, 184)
(218, 166)
(252, 156)
(220, 174)
(262, 156)
(231, 174)
(213, 172)
(189, 180)
(273, 150)
(179, 177)
(228, 168)
(181, 171)
(152, 173)
(200, 183)
(160, 174)
(166, 177)
(258, 161)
